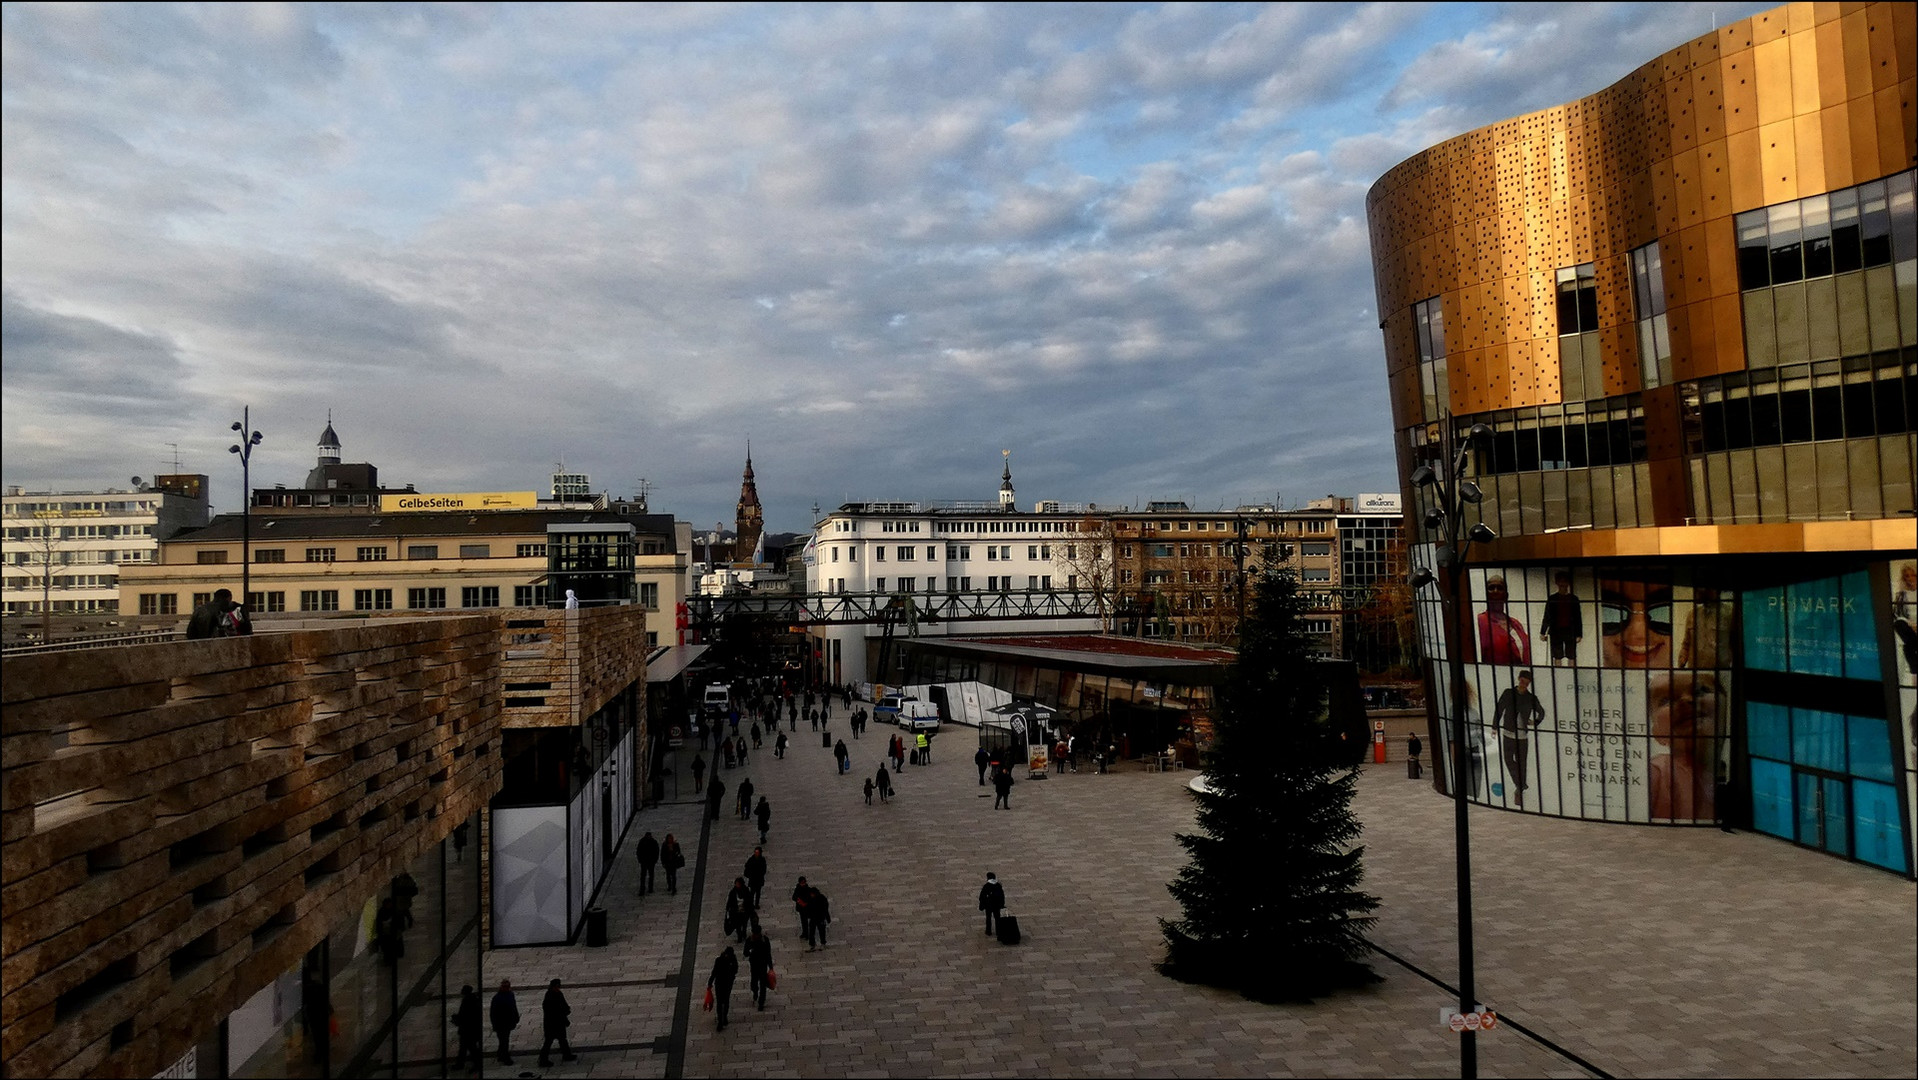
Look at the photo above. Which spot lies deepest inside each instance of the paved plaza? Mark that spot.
(1644, 952)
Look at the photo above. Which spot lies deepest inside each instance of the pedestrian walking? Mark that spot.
(1413, 767)
(404, 890)
(719, 985)
(764, 812)
(992, 900)
(726, 753)
(699, 773)
(884, 780)
(802, 895)
(759, 966)
(470, 1023)
(820, 910)
(1002, 783)
(843, 756)
(555, 1018)
(648, 851)
(756, 735)
(982, 759)
(812, 714)
(505, 1016)
(739, 750)
(756, 874)
(740, 910)
(825, 709)
(715, 797)
(869, 789)
(743, 805)
(1059, 757)
(671, 859)
(779, 746)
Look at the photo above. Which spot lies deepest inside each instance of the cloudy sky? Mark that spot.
(1125, 242)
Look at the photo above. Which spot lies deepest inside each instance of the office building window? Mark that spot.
(370, 554)
(266, 601)
(529, 551)
(476, 551)
(530, 595)
(649, 595)
(1648, 304)
(426, 598)
(907, 584)
(422, 551)
(159, 603)
(319, 554)
(319, 600)
(905, 553)
(478, 596)
(1428, 317)
(1581, 375)
(208, 558)
(372, 599)
(879, 553)
(261, 555)
(879, 584)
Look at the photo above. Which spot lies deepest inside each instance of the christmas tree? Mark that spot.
(1271, 898)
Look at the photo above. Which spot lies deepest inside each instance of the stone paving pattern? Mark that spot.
(1646, 951)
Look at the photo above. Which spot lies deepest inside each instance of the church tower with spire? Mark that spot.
(1005, 484)
(749, 521)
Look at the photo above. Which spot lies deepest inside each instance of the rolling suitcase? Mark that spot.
(1008, 928)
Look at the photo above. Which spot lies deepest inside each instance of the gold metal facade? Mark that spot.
(1802, 100)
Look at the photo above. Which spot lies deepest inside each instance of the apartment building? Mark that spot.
(64, 550)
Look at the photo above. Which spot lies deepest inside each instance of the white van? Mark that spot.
(916, 716)
(719, 697)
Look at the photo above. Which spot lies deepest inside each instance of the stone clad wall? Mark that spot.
(559, 666)
(180, 823)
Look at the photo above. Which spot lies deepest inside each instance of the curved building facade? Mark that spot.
(1686, 307)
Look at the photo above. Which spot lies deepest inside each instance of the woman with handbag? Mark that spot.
(671, 859)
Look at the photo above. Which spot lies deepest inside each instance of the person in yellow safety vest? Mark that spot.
(924, 743)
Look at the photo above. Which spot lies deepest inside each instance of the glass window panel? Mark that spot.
(1818, 739)
(1744, 487)
(1889, 406)
(1881, 305)
(1578, 497)
(1861, 636)
(1868, 742)
(1768, 730)
(1801, 473)
(1553, 486)
(1772, 798)
(1770, 461)
(1816, 231)
(1845, 231)
(1716, 504)
(1794, 340)
(1604, 499)
(1794, 414)
(1834, 481)
(1787, 260)
(1765, 632)
(1875, 214)
(1878, 825)
(1894, 467)
(1827, 411)
(1761, 329)
(1754, 252)
(1821, 319)
(1642, 485)
(1766, 429)
(1904, 215)
(1587, 306)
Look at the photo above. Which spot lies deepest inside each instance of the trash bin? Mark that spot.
(825, 739)
(596, 927)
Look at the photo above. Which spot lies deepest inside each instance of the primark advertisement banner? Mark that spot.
(1591, 695)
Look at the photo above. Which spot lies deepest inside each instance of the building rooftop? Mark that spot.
(269, 526)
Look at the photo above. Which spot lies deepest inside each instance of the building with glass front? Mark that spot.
(1684, 310)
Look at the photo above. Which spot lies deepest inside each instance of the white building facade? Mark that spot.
(63, 549)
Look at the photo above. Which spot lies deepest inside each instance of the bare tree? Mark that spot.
(1086, 564)
(47, 556)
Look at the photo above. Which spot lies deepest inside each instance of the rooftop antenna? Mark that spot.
(645, 489)
(176, 456)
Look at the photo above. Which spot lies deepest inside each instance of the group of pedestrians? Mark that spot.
(555, 1018)
(667, 856)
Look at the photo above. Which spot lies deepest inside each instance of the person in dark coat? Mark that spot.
(470, 1023)
(1412, 749)
(671, 859)
(982, 759)
(764, 812)
(884, 780)
(648, 851)
(720, 982)
(715, 796)
(842, 756)
(759, 962)
(219, 617)
(555, 1018)
(1002, 783)
(802, 893)
(779, 746)
(740, 910)
(992, 900)
(505, 1016)
(756, 875)
(743, 805)
(699, 773)
(818, 917)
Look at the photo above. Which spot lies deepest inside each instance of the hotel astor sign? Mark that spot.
(418, 501)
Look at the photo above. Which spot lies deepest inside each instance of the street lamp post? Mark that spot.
(249, 439)
(1452, 493)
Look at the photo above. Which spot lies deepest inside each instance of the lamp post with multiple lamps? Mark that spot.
(1451, 493)
(249, 439)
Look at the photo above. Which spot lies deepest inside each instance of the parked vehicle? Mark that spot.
(917, 716)
(889, 706)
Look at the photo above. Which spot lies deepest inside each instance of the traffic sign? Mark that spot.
(1483, 1019)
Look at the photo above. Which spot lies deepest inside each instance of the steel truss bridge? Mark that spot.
(911, 609)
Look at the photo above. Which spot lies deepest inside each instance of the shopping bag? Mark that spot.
(709, 999)
(772, 979)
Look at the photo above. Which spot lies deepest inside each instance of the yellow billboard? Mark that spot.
(417, 501)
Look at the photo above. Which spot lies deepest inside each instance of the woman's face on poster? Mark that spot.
(1635, 618)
